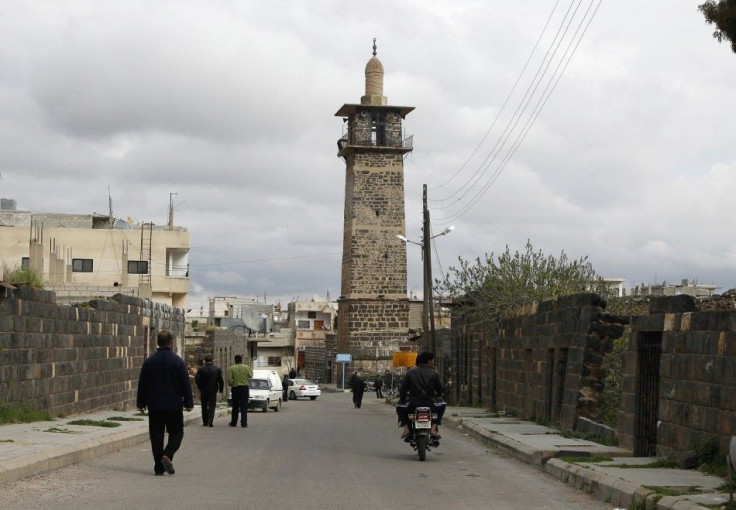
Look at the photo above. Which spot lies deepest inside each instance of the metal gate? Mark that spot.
(647, 395)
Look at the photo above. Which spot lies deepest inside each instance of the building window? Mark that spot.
(312, 315)
(25, 263)
(82, 265)
(303, 325)
(137, 267)
(274, 361)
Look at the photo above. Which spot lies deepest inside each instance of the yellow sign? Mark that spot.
(405, 359)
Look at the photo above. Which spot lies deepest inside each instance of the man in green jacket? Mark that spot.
(238, 378)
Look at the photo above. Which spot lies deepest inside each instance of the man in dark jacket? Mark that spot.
(422, 386)
(209, 381)
(164, 389)
(357, 384)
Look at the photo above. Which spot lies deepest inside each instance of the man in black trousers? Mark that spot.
(209, 381)
(164, 388)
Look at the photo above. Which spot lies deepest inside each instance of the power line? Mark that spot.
(266, 260)
(541, 102)
(521, 107)
(498, 115)
(508, 141)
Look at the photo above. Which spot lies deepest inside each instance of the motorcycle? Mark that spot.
(420, 424)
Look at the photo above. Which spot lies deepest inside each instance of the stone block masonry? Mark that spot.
(74, 359)
(544, 362)
(691, 390)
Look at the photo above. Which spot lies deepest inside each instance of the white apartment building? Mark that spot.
(311, 322)
(81, 256)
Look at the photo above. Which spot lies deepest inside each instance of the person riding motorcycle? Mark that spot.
(422, 386)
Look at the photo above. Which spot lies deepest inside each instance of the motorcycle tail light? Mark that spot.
(423, 416)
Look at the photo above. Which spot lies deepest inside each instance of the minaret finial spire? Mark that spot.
(374, 47)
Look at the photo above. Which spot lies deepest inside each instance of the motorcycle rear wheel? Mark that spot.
(422, 447)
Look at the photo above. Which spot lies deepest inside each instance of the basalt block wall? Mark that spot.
(542, 363)
(695, 401)
(372, 330)
(74, 359)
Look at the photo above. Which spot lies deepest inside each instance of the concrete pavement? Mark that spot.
(28, 449)
(31, 448)
(621, 481)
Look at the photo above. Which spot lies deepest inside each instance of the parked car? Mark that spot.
(303, 388)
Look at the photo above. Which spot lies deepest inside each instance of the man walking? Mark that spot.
(238, 378)
(379, 387)
(357, 384)
(209, 381)
(164, 388)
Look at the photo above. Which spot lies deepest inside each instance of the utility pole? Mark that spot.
(171, 211)
(429, 341)
(428, 312)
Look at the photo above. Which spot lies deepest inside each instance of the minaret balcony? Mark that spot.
(349, 143)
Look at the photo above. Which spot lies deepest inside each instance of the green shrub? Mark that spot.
(23, 276)
(14, 412)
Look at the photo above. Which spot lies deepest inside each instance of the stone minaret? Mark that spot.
(373, 310)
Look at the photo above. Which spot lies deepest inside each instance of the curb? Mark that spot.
(513, 448)
(22, 467)
(58, 457)
(604, 487)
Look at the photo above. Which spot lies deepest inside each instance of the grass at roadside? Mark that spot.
(13, 412)
(124, 418)
(94, 423)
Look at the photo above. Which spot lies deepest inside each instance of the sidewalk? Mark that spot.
(27, 449)
(616, 481)
(30, 448)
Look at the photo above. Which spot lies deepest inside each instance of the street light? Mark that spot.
(429, 339)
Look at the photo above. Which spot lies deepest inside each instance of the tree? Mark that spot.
(486, 290)
(722, 14)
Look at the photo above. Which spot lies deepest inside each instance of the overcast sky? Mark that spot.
(627, 157)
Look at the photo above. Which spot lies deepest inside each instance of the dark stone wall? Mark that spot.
(697, 376)
(372, 330)
(315, 364)
(542, 363)
(75, 359)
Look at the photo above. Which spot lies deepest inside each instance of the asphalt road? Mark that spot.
(321, 454)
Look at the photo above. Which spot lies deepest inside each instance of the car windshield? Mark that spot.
(258, 384)
(303, 382)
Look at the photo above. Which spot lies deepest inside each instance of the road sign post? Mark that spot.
(344, 359)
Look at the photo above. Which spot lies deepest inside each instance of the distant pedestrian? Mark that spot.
(238, 378)
(209, 381)
(285, 387)
(379, 386)
(357, 384)
(164, 389)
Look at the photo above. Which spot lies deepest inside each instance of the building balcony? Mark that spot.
(177, 271)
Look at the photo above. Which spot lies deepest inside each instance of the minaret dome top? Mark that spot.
(374, 82)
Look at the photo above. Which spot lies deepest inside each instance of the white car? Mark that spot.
(263, 395)
(302, 388)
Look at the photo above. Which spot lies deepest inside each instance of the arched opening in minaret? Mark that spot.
(378, 128)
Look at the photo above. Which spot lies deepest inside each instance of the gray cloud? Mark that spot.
(231, 106)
